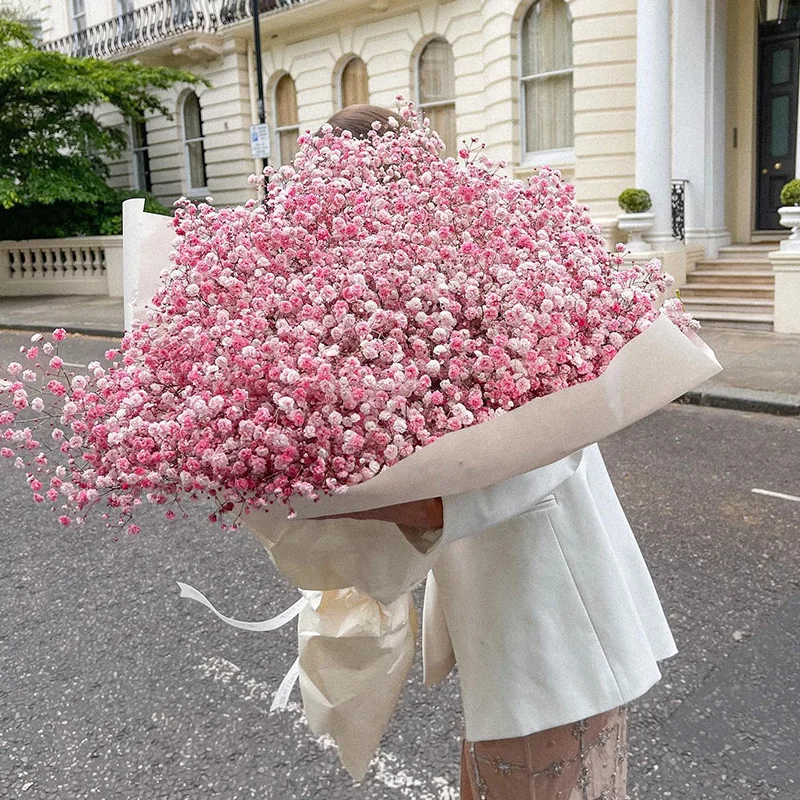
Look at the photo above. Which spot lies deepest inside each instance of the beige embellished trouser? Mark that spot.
(587, 760)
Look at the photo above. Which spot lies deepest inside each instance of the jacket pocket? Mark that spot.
(545, 502)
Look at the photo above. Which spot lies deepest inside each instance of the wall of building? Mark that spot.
(485, 40)
(605, 102)
(226, 115)
(741, 115)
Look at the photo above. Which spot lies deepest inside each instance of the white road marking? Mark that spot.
(71, 364)
(779, 495)
(389, 769)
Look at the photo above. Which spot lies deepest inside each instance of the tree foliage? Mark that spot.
(52, 146)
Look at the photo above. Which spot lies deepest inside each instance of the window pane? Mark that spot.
(285, 102)
(443, 121)
(437, 81)
(197, 164)
(780, 127)
(354, 83)
(287, 143)
(192, 124)
(142, 167)
(548, 114)
(781, 66)
(139, 135)
(546, 38)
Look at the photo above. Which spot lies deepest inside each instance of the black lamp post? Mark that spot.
(259, 71)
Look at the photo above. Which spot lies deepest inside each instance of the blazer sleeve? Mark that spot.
(470, 513)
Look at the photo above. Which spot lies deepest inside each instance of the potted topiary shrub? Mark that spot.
(635, 203)
(790, 212)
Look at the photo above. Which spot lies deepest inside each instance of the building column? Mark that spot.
(699, 126)
(653, 115)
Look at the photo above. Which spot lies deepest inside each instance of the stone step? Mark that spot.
(746, 252)
(702, 307)
(739, 321)
(757, 277)
(735, 263)
(770, 237)
(722, 290)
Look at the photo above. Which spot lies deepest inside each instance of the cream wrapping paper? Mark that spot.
(356, 639)
(653, 369)
(355, 654)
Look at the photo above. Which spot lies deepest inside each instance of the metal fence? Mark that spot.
(159, 21)
(679, 208)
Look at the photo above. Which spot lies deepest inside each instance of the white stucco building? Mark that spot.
(615, 93)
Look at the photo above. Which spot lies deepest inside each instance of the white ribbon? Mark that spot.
(271, 624)
(281, 699)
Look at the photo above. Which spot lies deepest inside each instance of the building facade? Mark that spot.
(694, 100)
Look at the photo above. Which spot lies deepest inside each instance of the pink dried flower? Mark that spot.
(378, 298)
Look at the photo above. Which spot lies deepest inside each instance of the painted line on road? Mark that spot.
(389, 768)
(70, 364)
(779, 495)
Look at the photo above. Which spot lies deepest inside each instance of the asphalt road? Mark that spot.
(111, 686)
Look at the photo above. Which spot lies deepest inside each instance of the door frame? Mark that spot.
(777, 35)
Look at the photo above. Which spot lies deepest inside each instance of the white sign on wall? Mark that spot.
(259, 141)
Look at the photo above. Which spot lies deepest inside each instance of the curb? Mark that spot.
(730, 397)
(105, 333)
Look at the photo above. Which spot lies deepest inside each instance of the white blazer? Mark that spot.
(542, 597)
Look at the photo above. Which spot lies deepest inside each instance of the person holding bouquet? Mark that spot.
(541, 598)
(394, 366)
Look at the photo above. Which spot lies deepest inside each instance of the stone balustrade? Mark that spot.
(79, 265)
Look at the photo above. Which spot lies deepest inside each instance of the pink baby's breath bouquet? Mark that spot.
(383, 326)
(378, 299)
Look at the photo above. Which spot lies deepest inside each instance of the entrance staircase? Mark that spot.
(736, 289)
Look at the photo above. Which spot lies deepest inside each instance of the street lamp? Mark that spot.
(259, 71)
(773, 10)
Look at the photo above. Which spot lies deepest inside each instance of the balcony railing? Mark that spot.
(159, 21)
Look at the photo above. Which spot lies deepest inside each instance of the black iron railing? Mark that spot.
(158, 21)
(679, 208)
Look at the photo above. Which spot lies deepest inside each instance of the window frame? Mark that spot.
(340, 81)
(145, 151)
(559, 156)
(436, 103)
(279, 129)
(75, 16)
(193, 191)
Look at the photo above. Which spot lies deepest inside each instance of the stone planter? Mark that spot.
(635, 225)
(790, 218)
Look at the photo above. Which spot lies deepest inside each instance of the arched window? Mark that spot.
(436, 90)
(141, 157)
(353, 86)
(193, 143)
(546, 78)
(287, 128)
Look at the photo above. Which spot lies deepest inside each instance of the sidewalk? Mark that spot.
(761, 369)
(93, 315)
(761, 372)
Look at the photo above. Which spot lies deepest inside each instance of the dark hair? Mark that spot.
(358, 119)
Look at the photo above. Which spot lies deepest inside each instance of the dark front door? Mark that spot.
(777, 121)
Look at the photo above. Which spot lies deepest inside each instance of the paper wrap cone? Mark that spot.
(355, 654)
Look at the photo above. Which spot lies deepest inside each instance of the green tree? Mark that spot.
(52, 147)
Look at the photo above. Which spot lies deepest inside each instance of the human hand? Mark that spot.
(424, 514)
